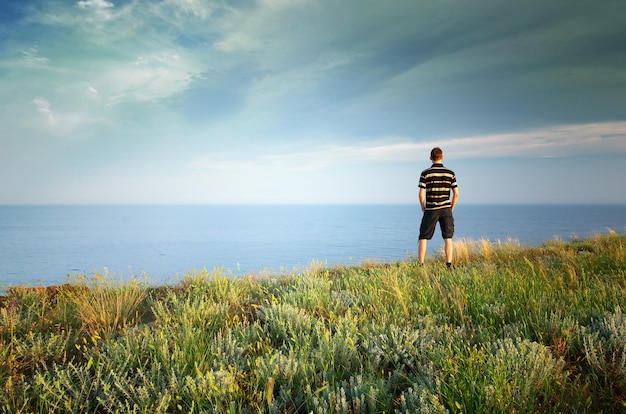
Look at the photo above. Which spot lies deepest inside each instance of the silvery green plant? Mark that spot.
(354, 395)
(420, 400)
(605, 347)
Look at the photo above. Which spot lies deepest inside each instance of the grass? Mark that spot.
(510, 329)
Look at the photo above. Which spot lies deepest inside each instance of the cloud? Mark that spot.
(305, 57)
(150, 76)
(95, 4)
(92, 94)
(558, 141)
(129, 54)
(32, 58)
(43, 107)
(255, 29)
(99, 8)
(58, 123)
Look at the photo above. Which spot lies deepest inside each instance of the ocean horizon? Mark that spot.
(51, 244)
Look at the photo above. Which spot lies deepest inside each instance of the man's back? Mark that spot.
(437, 181)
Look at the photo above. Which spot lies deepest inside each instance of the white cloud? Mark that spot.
(58, 123)
(268, 28)
(200, 9)
(92, 94)
(100, 8)
(558, 141)
(32, 58)
(43, 107)
(95, 4)
(132, 53)
(151, 76)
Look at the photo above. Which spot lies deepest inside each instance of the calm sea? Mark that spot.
(42, 245)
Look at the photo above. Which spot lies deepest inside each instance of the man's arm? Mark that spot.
(455, 197)
(422, 197)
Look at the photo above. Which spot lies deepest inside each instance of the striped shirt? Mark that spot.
(437, 181)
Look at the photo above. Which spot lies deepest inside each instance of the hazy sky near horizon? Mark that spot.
(310, 101)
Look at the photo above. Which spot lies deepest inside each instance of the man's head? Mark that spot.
(436, 154)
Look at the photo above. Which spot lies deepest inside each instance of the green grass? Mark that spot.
(510, 329)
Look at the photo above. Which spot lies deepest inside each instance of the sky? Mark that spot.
(310, 101)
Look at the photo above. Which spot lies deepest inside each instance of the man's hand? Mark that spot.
(422, 197)
(455, 197)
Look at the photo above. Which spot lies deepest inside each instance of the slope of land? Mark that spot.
(509, 329)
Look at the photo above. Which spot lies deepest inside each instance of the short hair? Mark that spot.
(436, 153)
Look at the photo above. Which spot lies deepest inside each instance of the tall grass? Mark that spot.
(105, 305)
(509, 329)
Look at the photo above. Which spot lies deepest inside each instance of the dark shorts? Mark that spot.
(430, 220)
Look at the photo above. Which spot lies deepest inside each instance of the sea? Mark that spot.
(46, 245)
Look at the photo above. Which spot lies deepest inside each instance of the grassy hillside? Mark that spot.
(509, 329)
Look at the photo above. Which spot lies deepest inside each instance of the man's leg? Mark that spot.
(447, 231)
(427, 229)
(449, 250)
(421, 249)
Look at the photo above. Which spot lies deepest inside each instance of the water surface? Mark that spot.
(42, 245)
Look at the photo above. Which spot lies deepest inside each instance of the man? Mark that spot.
(435, 185)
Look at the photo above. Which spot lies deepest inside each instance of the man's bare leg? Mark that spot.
(421, 250)
(449, 249)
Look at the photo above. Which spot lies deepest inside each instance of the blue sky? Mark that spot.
(310, 101)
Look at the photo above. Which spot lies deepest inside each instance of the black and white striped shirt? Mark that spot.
(437, 181)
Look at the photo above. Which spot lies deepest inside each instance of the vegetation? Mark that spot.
(510, 329)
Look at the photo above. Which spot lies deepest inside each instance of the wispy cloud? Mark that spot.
(558, 141)
(43, 107)
(32, 58)
(151, 76)
(57, 123)
(119, 50)
(101, 9)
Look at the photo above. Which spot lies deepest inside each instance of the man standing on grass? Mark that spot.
(435, 185)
